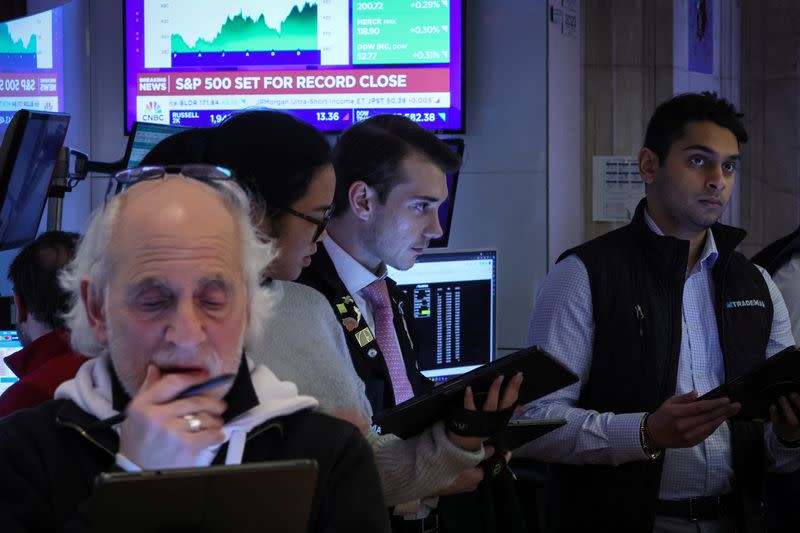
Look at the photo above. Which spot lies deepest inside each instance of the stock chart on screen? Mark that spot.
(31, 65)
(330, 62)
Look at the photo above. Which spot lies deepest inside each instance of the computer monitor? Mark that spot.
(446, 209)
(28, 157)
(9, 343)
(143, 138)
(452, 296)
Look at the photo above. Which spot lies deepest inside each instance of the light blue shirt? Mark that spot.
(562, 323)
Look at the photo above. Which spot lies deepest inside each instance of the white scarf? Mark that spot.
(90, 389)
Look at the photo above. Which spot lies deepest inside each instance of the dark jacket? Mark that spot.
(368, 359)
(49, 458)
(637, 281)
(493, 506)
(782, 491)
(41, 367)
(778, 253)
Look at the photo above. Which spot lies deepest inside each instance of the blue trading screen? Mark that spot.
(9, 343)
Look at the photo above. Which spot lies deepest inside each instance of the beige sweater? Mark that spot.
(304, 343)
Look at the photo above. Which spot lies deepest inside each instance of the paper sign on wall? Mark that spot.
(617, 188)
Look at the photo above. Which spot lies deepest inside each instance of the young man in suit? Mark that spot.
(390, 182)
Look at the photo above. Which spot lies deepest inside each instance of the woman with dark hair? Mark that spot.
(285, 164)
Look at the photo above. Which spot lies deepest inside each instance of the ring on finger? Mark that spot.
(195, 424)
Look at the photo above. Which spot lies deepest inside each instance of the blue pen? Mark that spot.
(193, 390)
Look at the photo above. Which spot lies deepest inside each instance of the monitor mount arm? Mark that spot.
(64, 179)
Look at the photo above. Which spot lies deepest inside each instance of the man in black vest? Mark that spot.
(650, 316)
(390, 181)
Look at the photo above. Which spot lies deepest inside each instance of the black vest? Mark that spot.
(367, 357)
(637, 280)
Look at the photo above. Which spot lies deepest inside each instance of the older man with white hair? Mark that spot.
(165, 288)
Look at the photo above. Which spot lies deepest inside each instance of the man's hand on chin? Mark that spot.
(160, 432)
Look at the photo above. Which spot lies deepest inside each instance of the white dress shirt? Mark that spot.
(787, 278)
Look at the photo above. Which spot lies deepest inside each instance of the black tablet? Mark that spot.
(521, 431)
(269, 496)
(776, 376)
(542, 375)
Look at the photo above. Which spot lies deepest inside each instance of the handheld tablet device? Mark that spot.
(274, 496)
(542, 375)
(521, 431)
(776, 376)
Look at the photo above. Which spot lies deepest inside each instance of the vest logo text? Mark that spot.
(734, 304)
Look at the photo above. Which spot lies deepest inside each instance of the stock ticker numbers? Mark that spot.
(391, 33)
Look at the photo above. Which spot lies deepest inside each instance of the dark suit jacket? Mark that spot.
(367, 358)
(493, 508)
(782, 490)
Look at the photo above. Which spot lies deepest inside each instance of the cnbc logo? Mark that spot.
(153, 112)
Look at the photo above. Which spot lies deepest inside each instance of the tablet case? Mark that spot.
(274, 496)
(758, 389)
(542, 375)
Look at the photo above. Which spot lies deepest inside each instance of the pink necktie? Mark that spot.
(377, 295)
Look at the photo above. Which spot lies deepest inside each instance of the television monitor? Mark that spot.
(31, 64)
(446, 209)
(9, 343)
(453, 297)
(28, 157)
(329, 62)
(143, 138)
